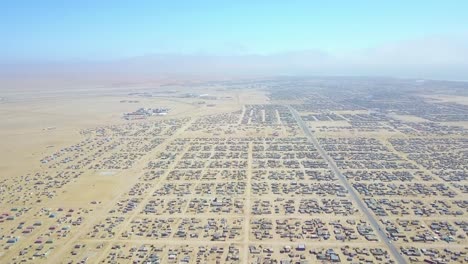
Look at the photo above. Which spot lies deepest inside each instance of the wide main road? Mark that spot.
(331, 163)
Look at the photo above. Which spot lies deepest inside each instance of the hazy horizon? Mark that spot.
(420, 39)
(237, 132)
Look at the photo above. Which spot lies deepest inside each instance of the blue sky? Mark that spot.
(88, 30)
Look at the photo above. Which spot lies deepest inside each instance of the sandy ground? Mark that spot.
(38, 124)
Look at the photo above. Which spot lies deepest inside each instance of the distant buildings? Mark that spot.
(143, 113)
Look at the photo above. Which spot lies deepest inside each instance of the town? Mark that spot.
(299, 173)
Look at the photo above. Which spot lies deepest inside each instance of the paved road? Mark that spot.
(373, 221)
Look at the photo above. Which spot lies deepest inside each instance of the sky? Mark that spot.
(345, 32)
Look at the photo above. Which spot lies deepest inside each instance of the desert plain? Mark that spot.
(273, 170)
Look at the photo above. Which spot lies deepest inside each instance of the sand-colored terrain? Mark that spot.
(229, 175)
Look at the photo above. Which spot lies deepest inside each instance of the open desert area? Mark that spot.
(279, 170)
